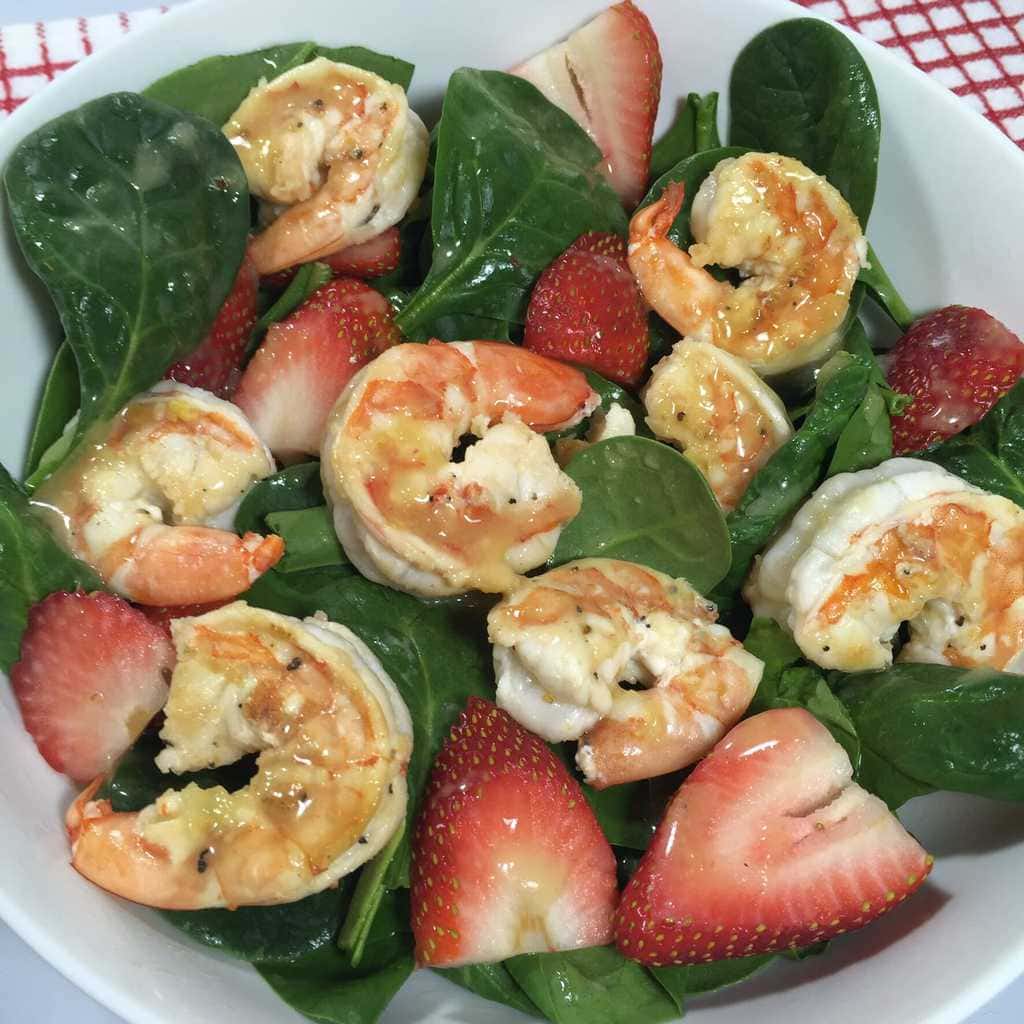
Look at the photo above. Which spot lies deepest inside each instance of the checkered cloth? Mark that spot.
(975, 47)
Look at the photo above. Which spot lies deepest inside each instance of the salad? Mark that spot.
(498, 548)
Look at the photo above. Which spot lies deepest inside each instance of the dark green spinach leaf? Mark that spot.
(990, 454)
(308, 278)
(802, 88)
(699, 979)
(943, 727)
(59, 402)
(32, 565)
(695, 128)
(366, 901)
(135, 216)
(884, 292)
(494, 982)
(309, 539)
(588, 985)
(514, 185)
(294, 488)
(213, 88)
(644, 502)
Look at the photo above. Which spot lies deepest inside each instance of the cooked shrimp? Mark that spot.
(411, 517)
(565, 642)
(333, 738)
(714, 408)
(338, 148)
(149, 499)
(905, 542)
(788, 232)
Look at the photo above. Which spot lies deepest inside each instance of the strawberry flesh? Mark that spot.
(955, 363)
(507, 856)
(768, 845)
(373, 258)
(216, 363)
(607, 77)
(305, 361)
(586, 308)
(93, 671)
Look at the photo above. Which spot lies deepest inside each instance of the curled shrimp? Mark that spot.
(904, 542)
(411, 517)
(338, 148)
(717, 411)
(333, 738)
(788, 232)
(149, 498)
(565, 642)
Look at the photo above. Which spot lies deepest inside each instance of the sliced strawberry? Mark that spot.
(586, 308)
(164, 615)
(768, 845)
(607, 77)
(507, 856)
(305, 361)
(217, 363)
(955, 363)
(93, 671)
(378, 256)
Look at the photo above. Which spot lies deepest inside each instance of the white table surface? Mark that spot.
(31, 990)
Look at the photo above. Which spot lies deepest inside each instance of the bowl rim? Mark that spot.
(130, 1006)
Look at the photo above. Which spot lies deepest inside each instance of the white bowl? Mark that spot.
(948, 218)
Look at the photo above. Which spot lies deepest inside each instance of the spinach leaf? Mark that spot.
(991, 453)
(59, 402)
(792, 473)
(135, 217)
(309, 539)
(644, 502)
(294, 488)
(801, 88)
(494, 982)
(366, 901)
(944, 727)
(884, 292)
(610, 394)
(695, 128)
(308, 278)
(628, 814)
(691, 172)
(699, 979)
(213, 88)
(32, 565)
(514, 185)
(587, 985)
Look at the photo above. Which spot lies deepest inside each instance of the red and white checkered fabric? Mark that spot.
(975, 47)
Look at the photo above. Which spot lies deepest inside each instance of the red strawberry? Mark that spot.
(767, 845)
(955, 363)
(164, 615)
(507, 856)
(216, 363)
(305, 361)
(607, 77)
(93, 671)
(586, 308)
(380, 255)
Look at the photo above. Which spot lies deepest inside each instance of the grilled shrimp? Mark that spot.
(904, 542)
(788, 232)
(565, 642)
(335, 150)
(149, 498)
(333, 737)
(717, 411)
(411, 517)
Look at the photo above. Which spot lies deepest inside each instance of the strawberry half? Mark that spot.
(767, 845)
(507, 856)
(164, 615)
(380, 255)
(305, 361)
(217, 363)
(955, 363)
(93, 672)
(586, 308)
(607, 77)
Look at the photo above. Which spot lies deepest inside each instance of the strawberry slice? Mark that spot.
(217, 363)
(507, 856)
(164, 615)
(93, 671)
(305, 361)
(586, 308)
(767, 845)
(955, 363)
(607, 77)
(380, 255)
